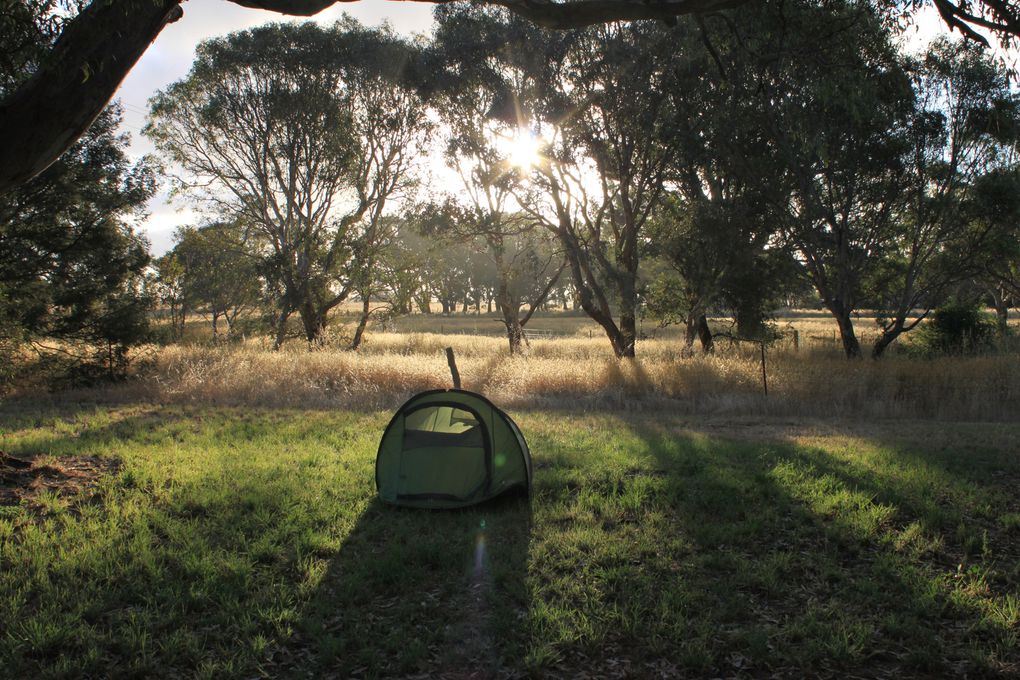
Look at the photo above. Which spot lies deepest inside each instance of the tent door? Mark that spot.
(445, 454)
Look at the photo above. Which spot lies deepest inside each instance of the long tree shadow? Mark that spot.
(419, 592)
(686, 555)
(743, 558)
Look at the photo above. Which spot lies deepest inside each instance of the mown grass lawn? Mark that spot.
(234, 543)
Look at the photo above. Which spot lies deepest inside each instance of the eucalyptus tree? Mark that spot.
(220, 273)
(964, 125)
(715, 227)
(839, 128)
(993, 209)
(490, 147)
(302, 134)
(166, 287)
(612, 135)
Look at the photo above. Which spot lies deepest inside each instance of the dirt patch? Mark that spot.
(24, 478)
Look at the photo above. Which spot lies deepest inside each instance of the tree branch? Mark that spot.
(46, 114)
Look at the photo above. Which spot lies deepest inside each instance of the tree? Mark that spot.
(838, 127)
(715, 228)
(220, 274)
(964, 119)
(301, 134)
(71, 265)
(491, 150)
(167, 288)
(92, 52)
(613, 139)
(993, 208)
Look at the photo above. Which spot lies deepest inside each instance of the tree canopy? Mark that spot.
(90, 48)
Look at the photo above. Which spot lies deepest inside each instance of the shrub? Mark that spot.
(955, 329)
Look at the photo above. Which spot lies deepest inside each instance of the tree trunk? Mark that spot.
(888, 336)
(215, 329)
(882, 343)
(1001, 304)
(705, 335)
(314, 322)
(628, 336)
(424, 302)
(515, 336)
(511, 318)
(851, 346)
(173, 319)
(281, 328)
(690, 332)
(359, 332)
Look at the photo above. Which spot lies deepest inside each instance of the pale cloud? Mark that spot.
(165, 217)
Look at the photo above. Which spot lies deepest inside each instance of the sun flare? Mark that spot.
(523, 149)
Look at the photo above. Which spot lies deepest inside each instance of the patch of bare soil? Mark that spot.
(25, 478)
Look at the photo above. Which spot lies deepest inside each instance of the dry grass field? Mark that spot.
(574, 368)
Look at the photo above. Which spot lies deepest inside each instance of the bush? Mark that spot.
(955, 330)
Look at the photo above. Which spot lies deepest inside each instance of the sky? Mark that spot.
(170, 58)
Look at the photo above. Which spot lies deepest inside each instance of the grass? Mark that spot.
(241, 542)
(577, 371)
(576, 367)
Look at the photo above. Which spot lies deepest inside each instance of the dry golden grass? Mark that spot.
(581, 373)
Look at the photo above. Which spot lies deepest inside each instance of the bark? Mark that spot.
(889, 335)
(515, 335)
(851, 346)
(882, 343)
(313, 320)
(510, 312)
(359, 332)
(52, 109)
(705, 335)
(281, 328)
(590, 296)
(1001, 304)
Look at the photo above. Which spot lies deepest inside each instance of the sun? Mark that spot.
(522, 150)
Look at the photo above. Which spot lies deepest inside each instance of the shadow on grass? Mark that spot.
(712, 556)
(244, 543)
(439, 593)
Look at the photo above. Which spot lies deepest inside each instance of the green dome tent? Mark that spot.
(450, 449)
